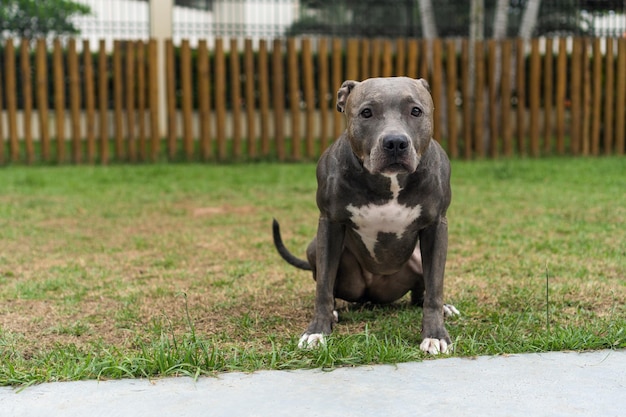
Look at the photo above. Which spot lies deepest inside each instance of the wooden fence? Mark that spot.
(276, 100)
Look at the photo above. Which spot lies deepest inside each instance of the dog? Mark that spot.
(383, 192)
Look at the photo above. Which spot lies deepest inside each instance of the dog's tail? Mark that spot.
(284, 252)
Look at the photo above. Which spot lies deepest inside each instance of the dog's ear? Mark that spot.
(343, 93)
(425, 84)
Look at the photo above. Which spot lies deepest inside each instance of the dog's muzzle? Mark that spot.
(397, 155)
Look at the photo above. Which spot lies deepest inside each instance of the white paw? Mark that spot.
(309, 341)
(449, 310)
(336, 316)
(435, 346)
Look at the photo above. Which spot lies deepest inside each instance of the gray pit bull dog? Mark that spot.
(383, 192)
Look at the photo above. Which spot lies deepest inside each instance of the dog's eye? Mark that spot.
(366, 113)
(416, 111)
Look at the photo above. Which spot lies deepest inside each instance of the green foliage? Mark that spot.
(399, 18)
(369, 18)
(31, 19)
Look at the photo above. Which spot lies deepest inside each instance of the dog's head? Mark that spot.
(389, 122)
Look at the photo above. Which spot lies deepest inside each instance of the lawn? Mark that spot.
(153, 270)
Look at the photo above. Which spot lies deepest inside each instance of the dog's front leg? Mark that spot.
(434, 247)
(330, 237)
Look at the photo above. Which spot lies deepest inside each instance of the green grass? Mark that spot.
(155, 270)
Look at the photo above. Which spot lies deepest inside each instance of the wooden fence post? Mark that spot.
(278, 93)
(251, 109)
(2, 141)
(264, 97)
(596, 106)
(412, 55)
(235, 89)
(467, 100)
(103, 102)
(130, 101)
(548, 96)
(11, 100)
(494, 134)
(352, 59)
(505, 98)
(575, 88)
(620, 106)
(187, 99)
(561, 85)
(90, 104)
(42, 99)
(451, 82)
(75, 103)
(387, 64)
(534, 88)
(337, 79)
(294, 97)
(375, 58)
(309, 96)
(609, 89)
(426, 45)
(118, 99)
(2, 144)
(59, 100)
(27, 88)
(365, 59)
(170, 101)
(586, 91)
(153, 98)
(521, 94)
(141, 99)
(401, 57)
(204, 100)
(323, 91)
(437, 90)
(220, 98)
(479, 102)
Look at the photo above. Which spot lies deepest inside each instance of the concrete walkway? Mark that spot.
(547, 384)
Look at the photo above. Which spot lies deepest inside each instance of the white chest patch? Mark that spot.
(391, 217)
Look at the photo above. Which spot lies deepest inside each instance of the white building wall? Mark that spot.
(129, 20)
(114, 19)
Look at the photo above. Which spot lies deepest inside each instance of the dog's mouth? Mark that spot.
(395, 168)
(388, 164)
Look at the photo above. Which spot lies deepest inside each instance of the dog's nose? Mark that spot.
(395, 144)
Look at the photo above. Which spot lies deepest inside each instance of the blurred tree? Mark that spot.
(195, 4)
(603, 5)
(446, 18)
(39, 18)
(500, 21)
(529, 19)
(427, 14)
(369, 18)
